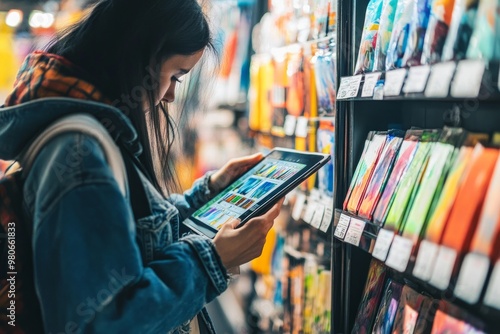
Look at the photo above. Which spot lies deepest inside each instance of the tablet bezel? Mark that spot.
(313, 162)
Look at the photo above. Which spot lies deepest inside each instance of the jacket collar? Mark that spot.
(21, 123)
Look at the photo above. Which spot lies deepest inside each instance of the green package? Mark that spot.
(408, 186)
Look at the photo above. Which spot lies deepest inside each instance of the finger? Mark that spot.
(246, 161)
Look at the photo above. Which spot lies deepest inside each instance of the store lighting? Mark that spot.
(39, 19)
(14, 18)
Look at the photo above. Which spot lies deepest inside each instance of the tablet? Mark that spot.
(256, 191)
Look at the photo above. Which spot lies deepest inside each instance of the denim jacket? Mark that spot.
(97, 270)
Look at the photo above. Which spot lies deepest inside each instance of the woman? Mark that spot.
(99, 265)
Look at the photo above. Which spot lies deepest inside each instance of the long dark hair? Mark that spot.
(121, 45)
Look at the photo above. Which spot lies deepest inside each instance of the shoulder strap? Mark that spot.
(123, 169)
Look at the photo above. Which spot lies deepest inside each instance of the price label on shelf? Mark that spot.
(342, 226)
(355, 231)
(445, 261)
(492, 296)
(318, 215)
(311, 207)
(289, 126)
(400, 253)
(349, 87)
(427, 253)
(417, 78)
(440, 79)
(301, 129)
(383, 243)
(300, 201)
(472, 276)
(394, 82)
(369, 85)
(328, 214)
(468, 78)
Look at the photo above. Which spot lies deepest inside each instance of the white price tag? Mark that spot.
(299, 206)
(468, 78)
(492, 296)
(349, 87)
(301, 129)
(289, 126)
(427, 252)
(327, 215)
(342, 226)
(417, 78)
(369, 85)
(311, 207)
(394, 82)
(472, 277)
(440, 79)
(318, 215)
(400, 253)
(383, 243)
(443, 269)
(355, 231)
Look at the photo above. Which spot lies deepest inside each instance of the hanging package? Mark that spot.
(369, 37)
(416, 35)
(399, 37)
(484, 42)
(384, 34)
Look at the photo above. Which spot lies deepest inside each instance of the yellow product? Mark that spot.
(262, 264)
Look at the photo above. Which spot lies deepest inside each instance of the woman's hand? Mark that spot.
(237, 246)
(231, 170)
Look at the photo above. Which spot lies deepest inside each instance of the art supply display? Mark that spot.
(369, 37)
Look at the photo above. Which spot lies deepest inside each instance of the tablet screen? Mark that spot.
(274, 176)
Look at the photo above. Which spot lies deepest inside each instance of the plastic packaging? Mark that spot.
(399, 37)
(384, 34)
(387, 309)
(460, 32)
(326, 144)
(369, 37)
(416, 35)
(324, 73)
(484, 42)
(437, 30)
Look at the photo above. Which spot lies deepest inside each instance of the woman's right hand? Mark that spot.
(237, 246)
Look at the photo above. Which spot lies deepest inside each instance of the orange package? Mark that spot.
(465, 212)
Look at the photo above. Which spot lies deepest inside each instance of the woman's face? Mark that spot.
(172, 71)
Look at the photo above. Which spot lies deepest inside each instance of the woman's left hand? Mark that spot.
(231, 170)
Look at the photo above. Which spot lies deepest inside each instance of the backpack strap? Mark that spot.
(122, 167)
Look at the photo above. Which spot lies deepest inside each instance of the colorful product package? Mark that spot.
(470, 197)
(485, 40)
(384, 34)
(426, 316)
(380, 174)
(388, 308)
(369, 37)
(323, 313)
(486, 239)
(324, 73)
(409, 183)
(441, 159)
(451, 319)
(400, 30)
(278, 95)
(416, 35)
(437, 31)
(311, 102)
(311, 283)
(403, 161)
(460, 32)
(367, 166)
(409, 310)
(357, 171)
(371, 298)
(326, 144)
(295, 94)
